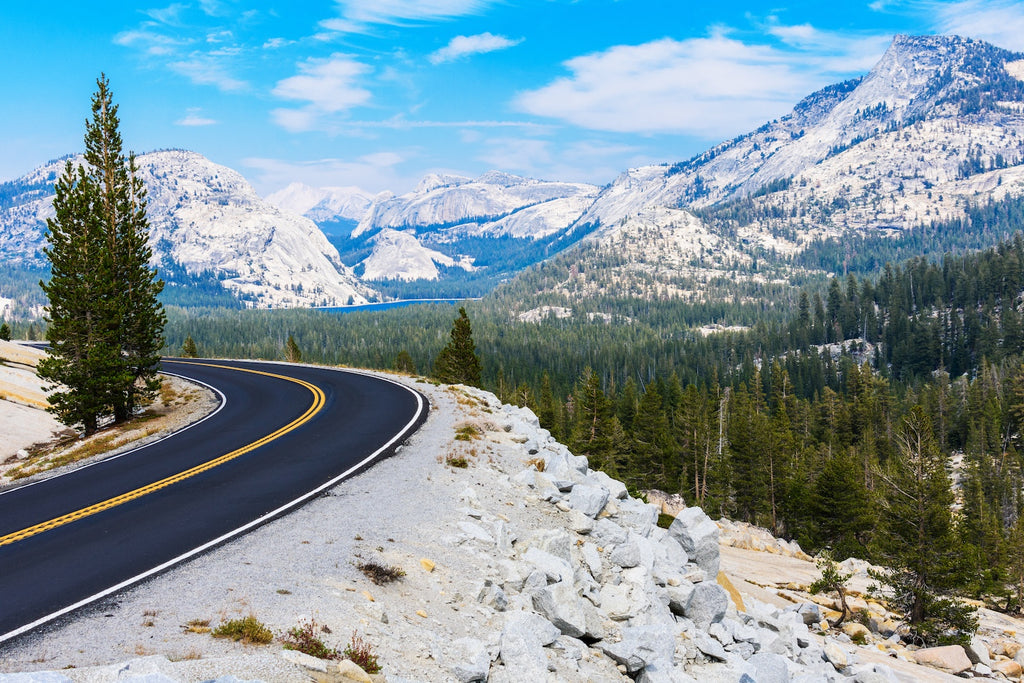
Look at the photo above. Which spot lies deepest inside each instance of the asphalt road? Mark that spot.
(274, 443)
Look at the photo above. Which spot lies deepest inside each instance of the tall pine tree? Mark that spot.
(106, 324)
(457, 363)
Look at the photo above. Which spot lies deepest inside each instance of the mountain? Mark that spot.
(399, 255)
(458, 236)
(204, 218)
(935, 127)
(337, 210)
(938, 116)
(477, 206)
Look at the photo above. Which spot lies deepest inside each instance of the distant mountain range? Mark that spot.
(937, 125)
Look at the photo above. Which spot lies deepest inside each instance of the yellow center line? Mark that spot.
(318, 403)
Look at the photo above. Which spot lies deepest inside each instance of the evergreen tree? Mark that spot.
(547, 408)
(404, 363)
(457, 363)
(188, 348)
(920, 544)
(5, 331)
(106, 324)
(841, 508)
(292, 353)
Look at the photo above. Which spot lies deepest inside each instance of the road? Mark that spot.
(281, 435)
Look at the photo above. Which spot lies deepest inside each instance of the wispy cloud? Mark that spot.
(205, 70)
(357, 15)
(711, 87)
(464, 46)
(205, 55)
(328, 86)
(373, 172)
(589, 161)
(194, 118)
(150, 42)
(1000, 22)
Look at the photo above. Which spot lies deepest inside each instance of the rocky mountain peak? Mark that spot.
(205, 218)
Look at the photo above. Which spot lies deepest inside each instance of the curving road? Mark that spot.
(281, 435)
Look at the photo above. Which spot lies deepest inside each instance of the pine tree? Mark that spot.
(920, 544)
(106, 324)
(292, 353)
(5, 331)
(457, 363)
(404, 363)
(188, 348)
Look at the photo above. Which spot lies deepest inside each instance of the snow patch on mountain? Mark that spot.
(400, 256)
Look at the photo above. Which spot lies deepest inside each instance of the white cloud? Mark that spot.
(712, 87)
(195, 118)
(1000, 22)
(357, 14)
(373, 172)
(150, 42)
(328, 86)
(463, 46)
(587, 161)
(204, 70)
(832, 51)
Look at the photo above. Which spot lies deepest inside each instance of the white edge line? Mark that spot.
(240, 530)
(223, 402)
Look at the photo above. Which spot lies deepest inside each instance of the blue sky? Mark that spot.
(376, 93)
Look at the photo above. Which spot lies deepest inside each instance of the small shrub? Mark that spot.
(381, 574)
(665, 520)
(360, 653)
(467, 433)
(304, 638)
(249, 630)
(456, 461)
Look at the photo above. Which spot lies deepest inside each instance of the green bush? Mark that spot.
(249, 630)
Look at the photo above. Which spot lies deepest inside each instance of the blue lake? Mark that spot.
(391, 304)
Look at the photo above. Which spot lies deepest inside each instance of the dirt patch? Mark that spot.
(37, 446)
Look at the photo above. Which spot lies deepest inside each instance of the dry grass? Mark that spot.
(380, 574)
(537, 462)
(467, 432)
(197, 626)
(71, 448)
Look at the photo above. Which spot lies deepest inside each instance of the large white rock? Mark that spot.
(698, 536)
(640, 646)
(771, 668)
(708, 603)
(588, 499)
(560, 605)
(522, 643)
(555, 568)
(468, 660)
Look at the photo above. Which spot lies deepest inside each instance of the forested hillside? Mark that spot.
(805, 423)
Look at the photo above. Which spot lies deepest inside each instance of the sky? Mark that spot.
(378, 93)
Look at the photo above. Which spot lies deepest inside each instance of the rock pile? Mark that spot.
(607, 594)
(522, 565)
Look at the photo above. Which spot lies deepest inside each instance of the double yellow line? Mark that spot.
(318, 403)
